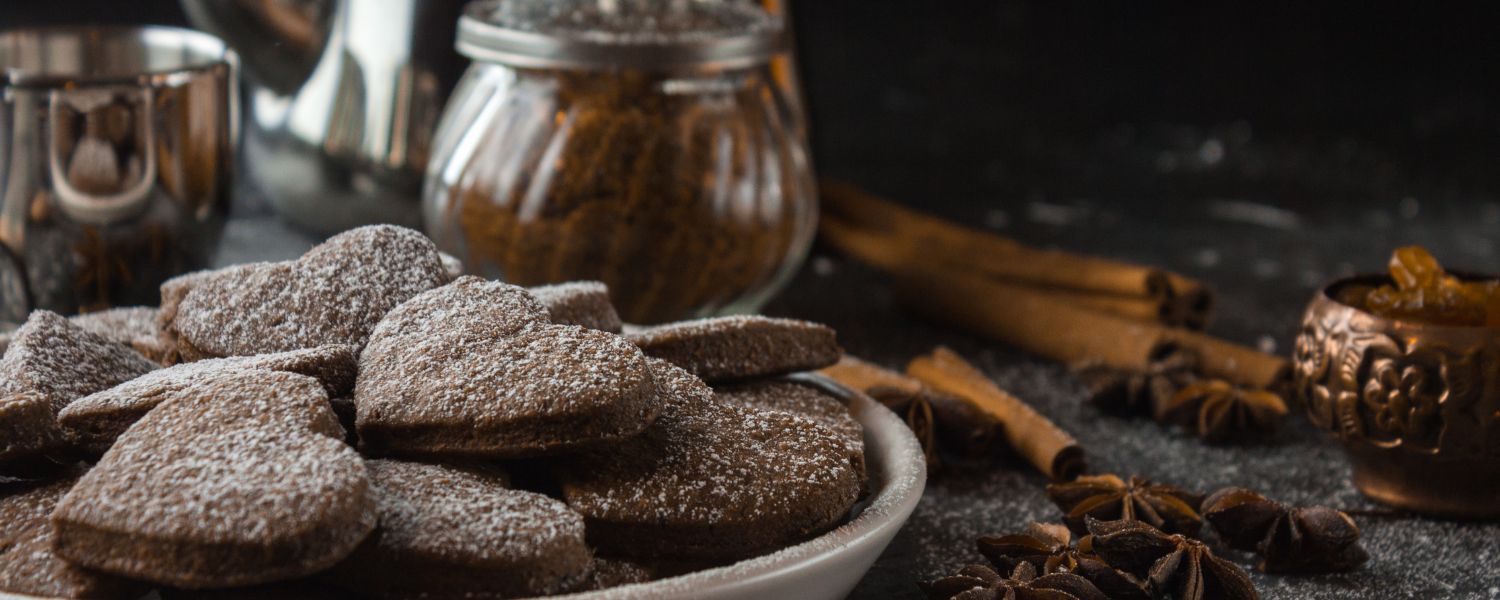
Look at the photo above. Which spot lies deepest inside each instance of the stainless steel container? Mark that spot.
(116, 151)
(343, 99)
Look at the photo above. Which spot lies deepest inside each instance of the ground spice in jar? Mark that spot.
(684, 193)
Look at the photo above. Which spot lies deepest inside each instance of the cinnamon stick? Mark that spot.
(864, 376)
(955, 423)
(885, 234)
(1037, 323)
(1041, 442)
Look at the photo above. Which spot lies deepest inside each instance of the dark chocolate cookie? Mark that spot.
(711, 480)
(50, 363)
(474, 369)
(804, 400)
(334, 294)
(453, 533)
(242, 482)
(582, 303)
(27, 563)
(733, 348)
(99, 418)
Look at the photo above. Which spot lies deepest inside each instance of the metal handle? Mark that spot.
(93, 208)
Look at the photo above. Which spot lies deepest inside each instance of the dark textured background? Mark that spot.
(1263, 146)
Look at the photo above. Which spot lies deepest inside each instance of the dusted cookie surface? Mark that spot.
(732, 348)
(334, 294)
(50, 363)
(132, 326)
(582, 303)
(711, 480)
(99, 418)
(474, 369)
(27, 563)
(452, 533)
(803, 400)
(244, 481)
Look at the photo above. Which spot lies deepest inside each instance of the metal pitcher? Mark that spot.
(343, 98)
(116, 154)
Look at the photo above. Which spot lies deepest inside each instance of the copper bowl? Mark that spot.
(1417, 406)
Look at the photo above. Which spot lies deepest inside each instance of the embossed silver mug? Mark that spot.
(116, 149)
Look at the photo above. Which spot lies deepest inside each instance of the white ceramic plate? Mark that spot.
(829, 565)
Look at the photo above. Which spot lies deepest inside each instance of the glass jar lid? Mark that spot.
(642, 34)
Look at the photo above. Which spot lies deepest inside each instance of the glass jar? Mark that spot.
(642, 143)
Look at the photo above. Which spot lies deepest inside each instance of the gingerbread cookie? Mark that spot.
(334, 294)
(453, 533)
(50, 363)
(474, 369)
(240, 482)
(99, 418)
(804, 400)
(744, 347)
(711, 480)
(126, 325)
(27, 563)
(582, 303)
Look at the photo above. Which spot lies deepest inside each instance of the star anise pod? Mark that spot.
(978, 582)
(1217, 410)
(1289, 540)
(1127, 391)
(1171, 564)
(1047, 548)
(1039, 544)
(916, 410)
(1108, 498)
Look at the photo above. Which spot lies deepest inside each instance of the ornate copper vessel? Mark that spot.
(1417, 406)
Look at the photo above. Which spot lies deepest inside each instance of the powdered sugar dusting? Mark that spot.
(334, 294)
(798, 399)
(460, 520)
(27, 563)
(474, 368)
(62, 362)
(122, 325)
(103, 416)
(710, 467)
(247, 462)
(897, 473)
(740, 347)
(49, 364)
(583, 303)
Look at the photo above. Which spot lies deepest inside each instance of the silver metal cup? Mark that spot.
(117, 146)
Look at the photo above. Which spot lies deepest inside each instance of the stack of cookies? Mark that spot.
(364, 422)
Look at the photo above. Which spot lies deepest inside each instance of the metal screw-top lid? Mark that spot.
(641, 34)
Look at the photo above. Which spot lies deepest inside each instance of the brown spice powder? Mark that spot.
(680, 202)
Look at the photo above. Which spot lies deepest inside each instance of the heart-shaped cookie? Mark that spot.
(28, 565)
(99, 418)
(802, 399)
(711, 480)
(582, 303)
(243, 481)
(334, 294)
(451, 533)
(50, 363)
(741, 347)
(474, 369)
